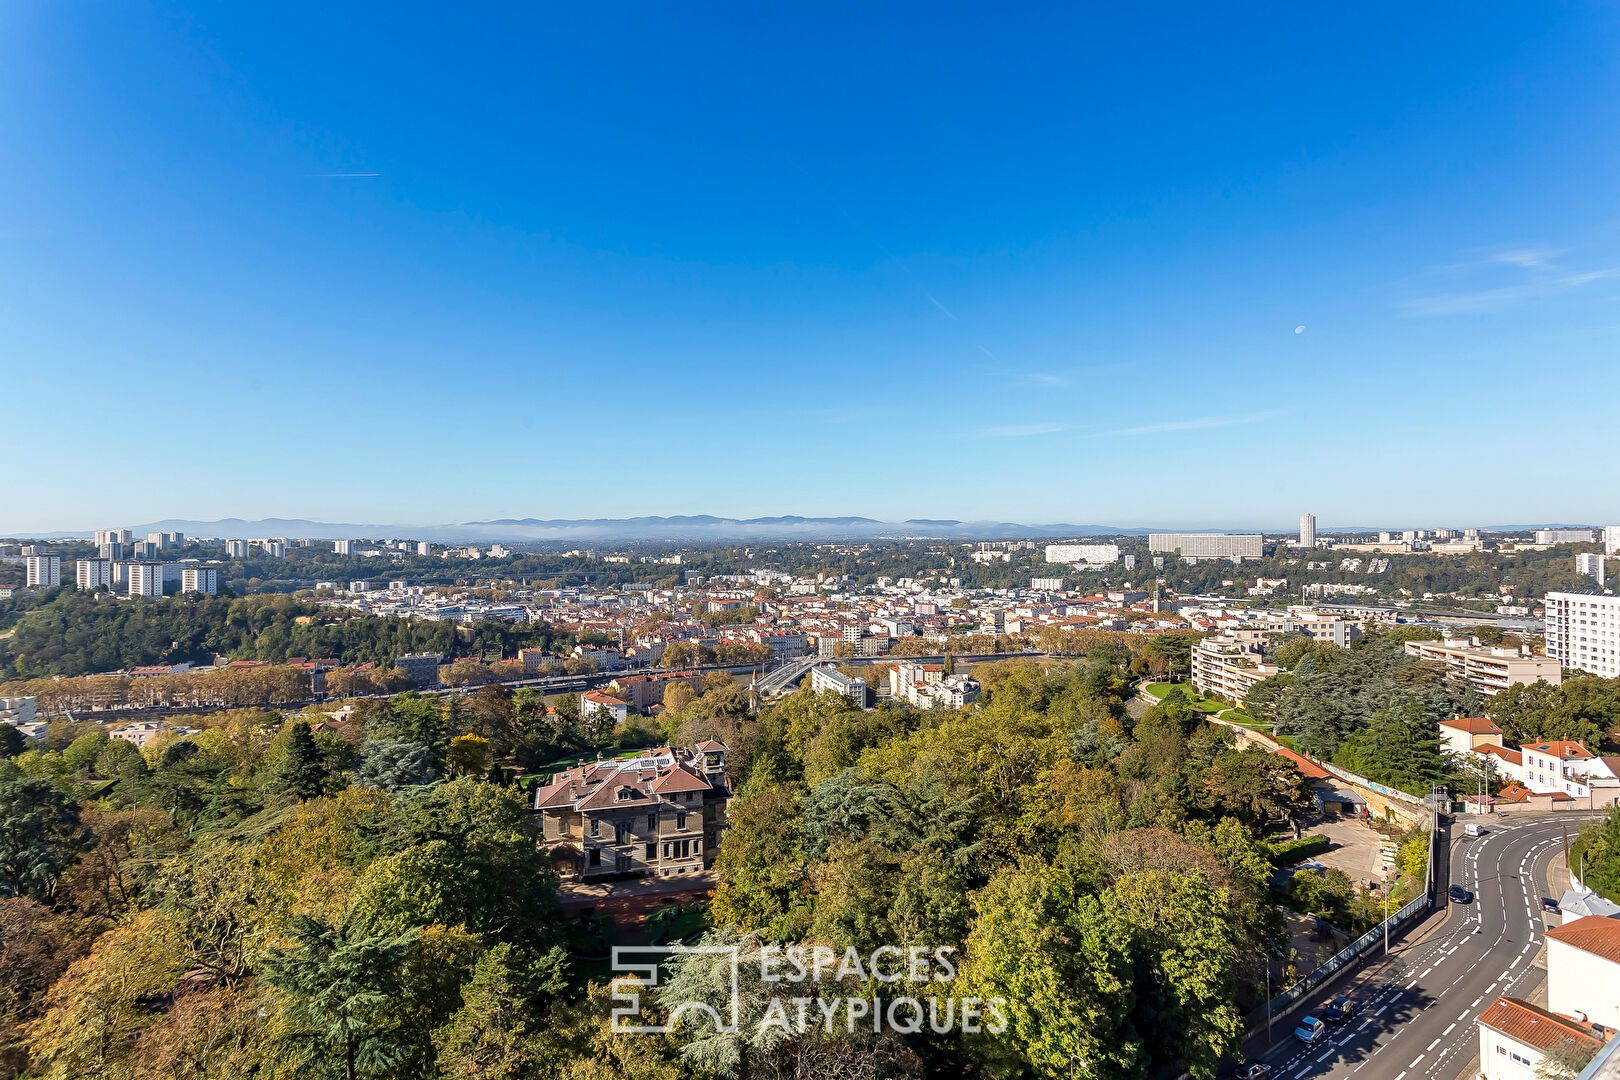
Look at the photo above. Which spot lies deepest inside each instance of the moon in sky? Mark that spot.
(1299, 329)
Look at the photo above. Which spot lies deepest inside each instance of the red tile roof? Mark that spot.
(1309, 769)
(1596, 934)
(1562, 748)
(1536, 1027)
(1474, 725)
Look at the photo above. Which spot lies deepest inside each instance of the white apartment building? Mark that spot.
(1566, 767)
(1046, 584)
(826, 679)
(237, 549)
(44, 571)
(424, 548)
(95, 574)
(1564, 536)
(341, 547)
(275, 549)
(927, 686)
(113, 536)
(1307, 530)
(1583, 632)
(1228, 666)
(1091, 554)
(1583, 969)
(145, 579)
(1490, 670)
(1208, 545)
(1591, 564)
(200, 579)
(1611, 539)
(1515, 1036)
(18, 711)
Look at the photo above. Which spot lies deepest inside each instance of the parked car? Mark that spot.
(1460, 895)
(1339, 1010)
(1548, 904)
(1310, 1030)
(1253, 1070)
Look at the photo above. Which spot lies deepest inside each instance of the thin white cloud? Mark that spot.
(1020, 431)
(947, 312)
(1536, 270)
(344, 175)
(1192, 425)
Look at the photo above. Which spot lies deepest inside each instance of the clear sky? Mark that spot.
(1212, 266)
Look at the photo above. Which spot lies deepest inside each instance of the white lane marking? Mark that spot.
(1365, 1024)
(1324, 1057)
(1380, 1009)
(1425, 974)
(1464, 1014)
(1431, 1046)
(1438, 962)
(1446, 1032)
(1415, 1061)
(1403, 1073)
(1414, 982)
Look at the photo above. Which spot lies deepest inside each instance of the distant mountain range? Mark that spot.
(698, 527)
(686, 528)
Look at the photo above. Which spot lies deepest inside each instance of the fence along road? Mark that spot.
(1417, 1011)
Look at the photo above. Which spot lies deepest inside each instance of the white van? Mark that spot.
(1310, 1030)
(1473, 829)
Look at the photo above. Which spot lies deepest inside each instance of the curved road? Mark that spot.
(1417, 1008)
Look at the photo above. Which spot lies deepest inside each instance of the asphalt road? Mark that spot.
(1417, 1008)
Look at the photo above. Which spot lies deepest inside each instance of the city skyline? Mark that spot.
(1038, 268)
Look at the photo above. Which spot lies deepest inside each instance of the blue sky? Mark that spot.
(403, 264)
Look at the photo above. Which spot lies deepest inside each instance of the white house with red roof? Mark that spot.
(659, 813)
(592, 702)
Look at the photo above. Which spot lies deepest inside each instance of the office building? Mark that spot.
(44, 571)
(1307, 530)
(1093, 554)
(421, 668)
(200, 579)
(1487, 669)
(95, 574)
(1564, 536)
(237, 549)
(1583, 632)
(1194, 546)
(1591, 565)
(341, 547)
(145, 579)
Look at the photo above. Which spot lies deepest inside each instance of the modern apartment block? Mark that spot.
(113, 536)
(1094, 554)
(1194, 546)
(1307, 530)
(1228, 666)
(1591, 564)
(1611, 539)
(95, 574)
(1583, 632)
(1564, 536)
(1046, 584)
(341, 547)
(826, 679)
(1488, 669)
(237, 549)
(200, 579)
(660, 813)
(44, 571)
(145, 579)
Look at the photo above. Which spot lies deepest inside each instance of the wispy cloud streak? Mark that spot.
(1020, 431)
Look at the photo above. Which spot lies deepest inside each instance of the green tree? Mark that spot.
(301, 773)
(40, 837)
(469, 756)
(338, 985)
